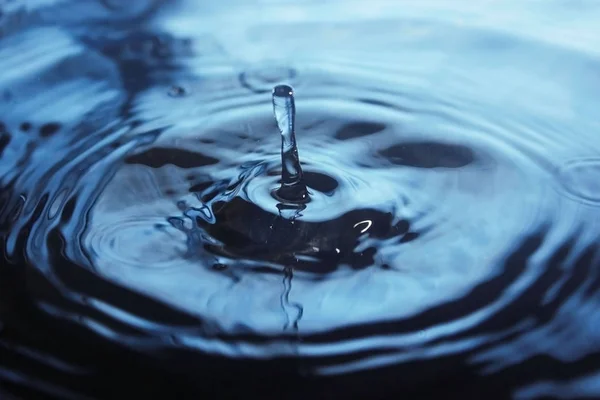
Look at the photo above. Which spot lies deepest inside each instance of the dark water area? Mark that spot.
(444, 241)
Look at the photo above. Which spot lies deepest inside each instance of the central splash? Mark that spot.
(314, 221)
(293, 189)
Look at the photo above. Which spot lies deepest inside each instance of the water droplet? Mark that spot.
(262, 79)
(579, 178)
(292, 187)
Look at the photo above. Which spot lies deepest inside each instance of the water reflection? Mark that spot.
(450, 245)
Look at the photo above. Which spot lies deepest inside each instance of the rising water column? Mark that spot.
(292, 187)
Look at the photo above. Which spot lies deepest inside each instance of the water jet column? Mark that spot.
(292, 187)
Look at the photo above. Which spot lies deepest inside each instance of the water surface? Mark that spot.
(449, 246)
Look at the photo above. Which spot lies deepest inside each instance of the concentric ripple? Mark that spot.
(440, 212)
(450, 240)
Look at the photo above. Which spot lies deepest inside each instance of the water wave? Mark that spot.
(450, 245)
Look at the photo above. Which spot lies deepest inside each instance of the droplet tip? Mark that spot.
(283, 91)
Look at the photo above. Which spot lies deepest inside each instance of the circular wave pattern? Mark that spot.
(391, 182)
(452, 222)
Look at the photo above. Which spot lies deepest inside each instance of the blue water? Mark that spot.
(450, 247)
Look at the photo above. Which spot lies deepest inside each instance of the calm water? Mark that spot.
(450, 246)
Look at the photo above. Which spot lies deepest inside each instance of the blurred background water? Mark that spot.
(450, 247)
